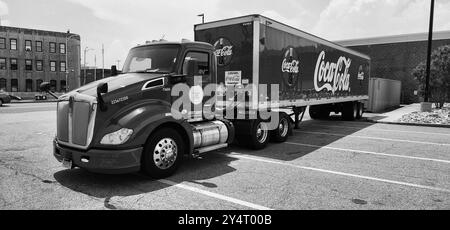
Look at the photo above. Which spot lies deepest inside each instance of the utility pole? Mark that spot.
(86, 49)
(103, 61)
(430, 47)
(203, 17)
(95, 67)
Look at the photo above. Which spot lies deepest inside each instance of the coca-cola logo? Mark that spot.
(223, 51)
(290, 67)
(332, 76)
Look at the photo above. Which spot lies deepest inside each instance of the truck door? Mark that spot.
(198, 71)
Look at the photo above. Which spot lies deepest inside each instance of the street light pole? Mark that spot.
(67, 61)
(430, 47)
(86, 49)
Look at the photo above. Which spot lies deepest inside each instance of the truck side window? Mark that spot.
(202, 62)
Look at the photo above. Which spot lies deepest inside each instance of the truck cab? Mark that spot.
(125, 123)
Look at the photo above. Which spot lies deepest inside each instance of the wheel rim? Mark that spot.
(283, 128)
(355, 110)
(261, 133)
(165, 153)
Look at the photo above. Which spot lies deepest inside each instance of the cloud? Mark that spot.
(344, 19)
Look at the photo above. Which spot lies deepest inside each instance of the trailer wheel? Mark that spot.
(350, 111)
(360, 110)
(259, 136)
(1, 102)
(163, 153)
(281, 134)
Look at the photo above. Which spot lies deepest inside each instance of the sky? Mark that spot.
(120, 24)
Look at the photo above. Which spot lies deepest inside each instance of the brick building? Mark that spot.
(395, 57)
(29, 57)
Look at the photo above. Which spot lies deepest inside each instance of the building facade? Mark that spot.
(29, 57)
(395, 57)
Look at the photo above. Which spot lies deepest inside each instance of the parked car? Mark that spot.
(4, 98)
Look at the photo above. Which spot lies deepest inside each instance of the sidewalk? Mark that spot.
(393, 117)
(32, 101)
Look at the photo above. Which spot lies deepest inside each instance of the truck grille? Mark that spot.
(75, 123)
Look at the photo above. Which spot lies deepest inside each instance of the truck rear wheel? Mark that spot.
(1, 103)
(259, 136)
(163, 153)
(281, 134)
(360, 110)
(350, 111)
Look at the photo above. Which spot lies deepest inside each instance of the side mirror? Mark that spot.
(45, 86)
(101, 89)
(190, 68)
(114, 71)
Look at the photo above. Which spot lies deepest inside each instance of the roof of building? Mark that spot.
(30, 31)
(439, 35)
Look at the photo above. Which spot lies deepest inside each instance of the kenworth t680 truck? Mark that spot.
(188, 98)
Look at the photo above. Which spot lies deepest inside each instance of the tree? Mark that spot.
(439, 77)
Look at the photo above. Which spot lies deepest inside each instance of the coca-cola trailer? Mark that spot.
(310, 71)
(189, 98)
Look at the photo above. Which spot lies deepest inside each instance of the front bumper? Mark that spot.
(101, 161)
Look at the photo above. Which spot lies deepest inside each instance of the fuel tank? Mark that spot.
(212, 133)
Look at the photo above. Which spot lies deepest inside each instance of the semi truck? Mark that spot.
(128, 123)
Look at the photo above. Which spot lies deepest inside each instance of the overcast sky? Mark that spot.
(121, 25)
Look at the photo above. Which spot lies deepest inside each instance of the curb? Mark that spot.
(32, 102)
(410, 124)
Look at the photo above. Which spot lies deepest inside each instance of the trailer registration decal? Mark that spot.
(331, 76)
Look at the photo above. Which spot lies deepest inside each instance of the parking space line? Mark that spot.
(369, 152)
(384, 130)
(214, 195)
(242, 156)
(374, 138)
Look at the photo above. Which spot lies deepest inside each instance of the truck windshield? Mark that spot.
(151, 59)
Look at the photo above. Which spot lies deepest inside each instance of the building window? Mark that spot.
(2, 84)
(2, 63)
(38, 85)
(38, 46)
(28, 65)
(13, 44)
(39, 65)
(14, 85)
(53, 66)
(53, 85)
(2, 43)
(62, 66)
(63, 86)
(52, 47)
(13, 64)
(29, 85)
(28, 45)
(62, 48)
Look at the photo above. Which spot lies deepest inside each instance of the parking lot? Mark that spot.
(324, 165)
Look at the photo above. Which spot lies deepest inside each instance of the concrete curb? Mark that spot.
(31, 101)
(410, 124)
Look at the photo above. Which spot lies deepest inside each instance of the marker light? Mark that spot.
(117, 138)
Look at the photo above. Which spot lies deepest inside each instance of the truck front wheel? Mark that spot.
(162, 153)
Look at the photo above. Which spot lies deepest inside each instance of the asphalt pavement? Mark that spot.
(325, 165)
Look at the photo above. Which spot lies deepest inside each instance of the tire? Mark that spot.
(1, 103)
(360, 110)
(281, 134)
(259, 135)
(350, 111)
(319, 112)
(156, 161)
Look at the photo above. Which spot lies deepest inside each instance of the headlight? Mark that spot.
(117, 138)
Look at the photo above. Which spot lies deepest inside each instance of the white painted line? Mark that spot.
(214, 195)
(374, 138)
(384, 130)
(242, 156)
(369, 152)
